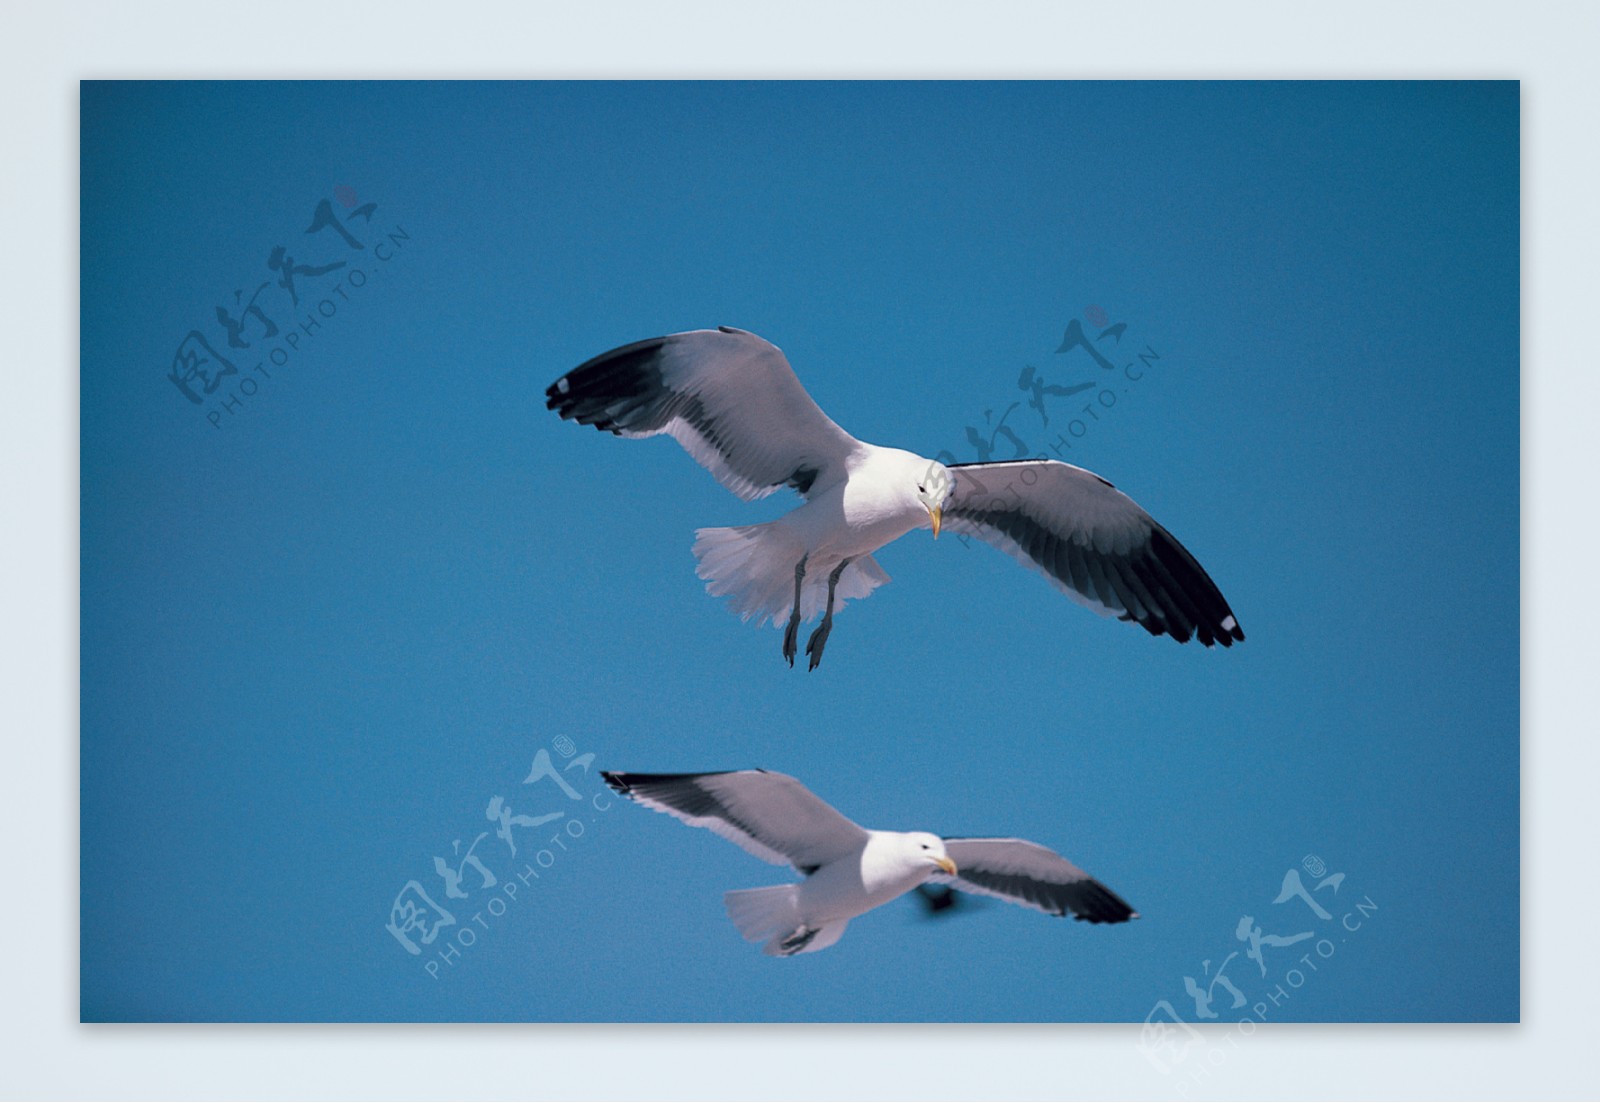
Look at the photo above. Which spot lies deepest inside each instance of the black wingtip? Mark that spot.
(554, 393)
(1201, 612)
(626, 782)
(1104, 906)
(619, 389)
(1225, 634)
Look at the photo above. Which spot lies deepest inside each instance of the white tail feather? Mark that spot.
(772, 915)
(766, 913)
(753, 567)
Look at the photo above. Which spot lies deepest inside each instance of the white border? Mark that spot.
(47, 49)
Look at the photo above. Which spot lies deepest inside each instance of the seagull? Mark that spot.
(848, 869)
(733, 402)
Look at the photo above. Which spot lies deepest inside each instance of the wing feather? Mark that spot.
(771, 815)
(1034, 876)
(1094, 543)
(727, 396)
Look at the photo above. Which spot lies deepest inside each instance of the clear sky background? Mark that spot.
(317, 640)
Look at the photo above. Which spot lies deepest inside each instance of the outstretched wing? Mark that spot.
(1094, 543)
(1034, 876)
(729, 397)
(771, 815)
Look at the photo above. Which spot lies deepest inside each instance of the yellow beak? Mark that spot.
(945, 863)
(937, 514)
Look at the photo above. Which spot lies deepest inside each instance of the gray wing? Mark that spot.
(729, 397)
(771, 815)
(1094, 543)
(1034, 876)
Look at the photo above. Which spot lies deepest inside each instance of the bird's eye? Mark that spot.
(921, 489)
(924, 846)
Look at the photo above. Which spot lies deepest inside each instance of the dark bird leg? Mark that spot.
(819, 638)
(791, 634)
(799, 940)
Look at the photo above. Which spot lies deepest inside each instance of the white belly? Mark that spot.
(844, 523)
(846, 888)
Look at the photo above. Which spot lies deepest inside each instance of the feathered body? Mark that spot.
(732, 401)
(848, 869)
(845, 521)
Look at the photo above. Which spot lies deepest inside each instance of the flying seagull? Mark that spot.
(850, 870)
(731, 399)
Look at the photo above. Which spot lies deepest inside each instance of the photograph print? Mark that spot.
(1055, 543)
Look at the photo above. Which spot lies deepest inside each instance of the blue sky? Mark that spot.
(320, 635)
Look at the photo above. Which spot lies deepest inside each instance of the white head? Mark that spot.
(935, 485)
(924, 851)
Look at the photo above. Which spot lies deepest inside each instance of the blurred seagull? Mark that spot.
(731, 399)
(938, 901)
(850, 870)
